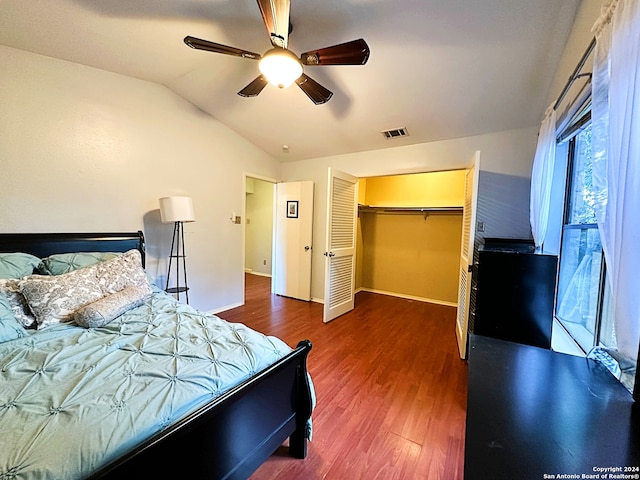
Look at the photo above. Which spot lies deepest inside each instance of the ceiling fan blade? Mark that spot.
(316, 92)
(200, 44)
(355, 52)
(254, 88)
(275, 14)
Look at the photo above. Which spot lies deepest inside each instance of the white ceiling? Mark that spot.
(441, 68)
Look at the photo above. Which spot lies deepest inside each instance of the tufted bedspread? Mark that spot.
(74, 399)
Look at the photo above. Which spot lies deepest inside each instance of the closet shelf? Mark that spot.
(407, 210)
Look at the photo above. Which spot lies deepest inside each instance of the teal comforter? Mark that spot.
(74, 399)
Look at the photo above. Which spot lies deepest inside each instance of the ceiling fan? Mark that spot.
(279, 66)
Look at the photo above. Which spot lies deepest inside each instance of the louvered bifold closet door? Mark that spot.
(341, 241)
(466, 253)
(463, 291)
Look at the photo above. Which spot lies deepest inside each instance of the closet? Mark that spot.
(409, 234)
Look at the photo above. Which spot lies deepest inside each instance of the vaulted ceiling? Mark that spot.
(442, 69)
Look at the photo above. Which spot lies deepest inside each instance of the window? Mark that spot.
(583, 304)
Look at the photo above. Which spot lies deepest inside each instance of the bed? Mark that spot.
(160, 390)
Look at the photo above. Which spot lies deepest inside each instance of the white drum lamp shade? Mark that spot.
(176, 209)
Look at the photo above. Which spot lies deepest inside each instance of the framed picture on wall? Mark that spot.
(292, 208)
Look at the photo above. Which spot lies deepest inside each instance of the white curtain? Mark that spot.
(541, 177)
(616, 143)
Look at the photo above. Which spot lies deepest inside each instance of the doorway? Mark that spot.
(278, 234)
(258, 225)
(409, 232)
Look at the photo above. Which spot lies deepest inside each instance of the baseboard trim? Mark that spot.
(259, 274)
(225, 308)
(408, 297)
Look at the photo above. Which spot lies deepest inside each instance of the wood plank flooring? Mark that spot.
(391, 388)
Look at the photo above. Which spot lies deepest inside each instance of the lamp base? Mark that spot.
(178, 253)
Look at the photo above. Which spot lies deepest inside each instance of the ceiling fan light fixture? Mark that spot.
(280, 67)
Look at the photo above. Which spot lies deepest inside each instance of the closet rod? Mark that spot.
(575, 75)
(367, 208)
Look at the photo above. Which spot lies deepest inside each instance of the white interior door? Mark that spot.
(293, 240)
(340, 252)
(466, 253)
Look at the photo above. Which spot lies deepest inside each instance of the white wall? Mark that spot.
(509, 153)
(578, 41)
(87, 150)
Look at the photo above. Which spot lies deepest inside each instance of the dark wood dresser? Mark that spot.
(514, 291)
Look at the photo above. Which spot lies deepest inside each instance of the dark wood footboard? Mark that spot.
(233, 435)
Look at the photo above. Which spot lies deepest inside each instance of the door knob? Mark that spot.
(307, 248)
(329, 254)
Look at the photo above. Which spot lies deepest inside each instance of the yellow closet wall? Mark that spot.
(410, 254)
(434, 189)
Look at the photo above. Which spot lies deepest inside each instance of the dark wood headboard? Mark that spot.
(44, 244)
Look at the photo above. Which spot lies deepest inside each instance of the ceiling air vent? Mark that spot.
(395, 133)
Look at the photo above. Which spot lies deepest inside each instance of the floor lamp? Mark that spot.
(177, 210)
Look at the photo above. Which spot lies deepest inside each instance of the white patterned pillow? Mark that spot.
(121, 272)
(101, 312)
(54, 299)
(10, 289)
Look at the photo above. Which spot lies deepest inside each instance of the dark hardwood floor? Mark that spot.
(390, 386)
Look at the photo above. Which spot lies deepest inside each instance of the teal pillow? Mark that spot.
(61, 263)
(17, 265)
(10, 328)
